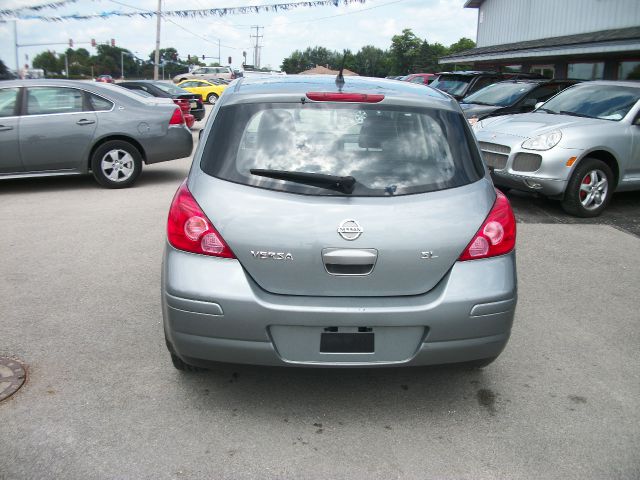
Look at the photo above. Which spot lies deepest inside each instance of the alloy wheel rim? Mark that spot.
(212, 99)
(117, 165)
(593, 189)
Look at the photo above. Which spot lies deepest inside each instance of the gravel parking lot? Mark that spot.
(80, 303)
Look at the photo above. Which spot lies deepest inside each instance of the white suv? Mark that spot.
(206, 73)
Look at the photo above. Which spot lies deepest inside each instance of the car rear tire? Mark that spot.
(212, 98)
(589, 189)
(483, 362)
(116, 164)
(182, 366)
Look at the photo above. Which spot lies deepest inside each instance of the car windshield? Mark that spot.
(453, 84)
(388, 150)
(170, 89)
(500, 94)
(607, 102)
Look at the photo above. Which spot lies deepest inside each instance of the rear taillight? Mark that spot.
(344, 97)
(497, 235)
(189, 229)
(184, 104)
(177, 118)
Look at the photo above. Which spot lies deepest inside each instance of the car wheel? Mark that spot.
(483, 362)
(212, 98)
(182, 366)
(589, 189)
(178, 363)
(116, 164)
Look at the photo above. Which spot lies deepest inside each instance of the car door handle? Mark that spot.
(4, 128)
(84, 121)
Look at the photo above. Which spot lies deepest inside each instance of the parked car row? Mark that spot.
(66, 127)
(579, 147)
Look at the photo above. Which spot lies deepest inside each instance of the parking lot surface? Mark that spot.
(80, 303)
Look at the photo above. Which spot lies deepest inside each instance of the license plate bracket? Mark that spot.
(335, 342)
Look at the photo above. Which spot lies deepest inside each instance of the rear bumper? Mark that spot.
(214, 312)
(177, 143)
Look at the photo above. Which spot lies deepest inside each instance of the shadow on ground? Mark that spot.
(623, 212)
(149, 176)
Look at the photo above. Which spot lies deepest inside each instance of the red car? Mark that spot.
(421, 78)
(105, 79)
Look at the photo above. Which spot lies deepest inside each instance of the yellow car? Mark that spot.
(210, 92)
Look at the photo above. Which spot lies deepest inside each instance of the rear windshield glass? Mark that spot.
(502, 94)
(452, 84)
(388, 150)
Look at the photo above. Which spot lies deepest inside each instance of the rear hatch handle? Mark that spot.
(349, 261)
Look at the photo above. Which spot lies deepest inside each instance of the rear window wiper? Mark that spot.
(575, 114)
(330, 182)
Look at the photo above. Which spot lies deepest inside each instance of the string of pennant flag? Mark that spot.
(192, 13)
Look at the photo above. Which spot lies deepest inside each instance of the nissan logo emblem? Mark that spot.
(349, 229)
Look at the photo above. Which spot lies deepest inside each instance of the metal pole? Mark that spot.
(15, 41)
(219, 57)
(157, 59)
(122, 65)
(66, 64)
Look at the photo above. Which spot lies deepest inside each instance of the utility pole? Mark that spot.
(257, 46)
(15, 41)
(157, 59)
(219, 58)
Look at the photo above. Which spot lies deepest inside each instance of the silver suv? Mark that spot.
(206, 73)
(337, 224)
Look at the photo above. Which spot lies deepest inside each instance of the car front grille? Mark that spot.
(494, 147)
(527, 162)
(494, 155)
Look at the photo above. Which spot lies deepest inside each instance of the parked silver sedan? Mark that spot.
(578, 147)
(306, 237)
(58, 127)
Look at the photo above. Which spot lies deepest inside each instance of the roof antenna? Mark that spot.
(340, 77)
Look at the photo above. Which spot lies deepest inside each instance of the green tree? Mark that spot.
(372, 62)
(463, 44)
(405, 49)
(49, 62)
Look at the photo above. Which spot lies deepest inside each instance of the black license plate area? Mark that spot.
(361, 342)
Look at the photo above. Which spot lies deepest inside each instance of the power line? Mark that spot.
(346, 13)
(178, 25)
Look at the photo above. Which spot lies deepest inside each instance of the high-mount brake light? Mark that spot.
(344, 97)
(189, 229)
(177, 118)
(497, 235)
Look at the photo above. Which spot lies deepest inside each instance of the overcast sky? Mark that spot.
(343, 27)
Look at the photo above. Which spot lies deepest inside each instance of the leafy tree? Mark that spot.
(463, 44)
(49, 62)
(371, 61)
(405, 50)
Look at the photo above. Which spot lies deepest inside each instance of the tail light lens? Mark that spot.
(190, 230)
(497, 235)
(184, 104)
(177, 118)
(344, 97)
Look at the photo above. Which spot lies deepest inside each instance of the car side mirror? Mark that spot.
(530, 102)
(538, 105)
(200, 134)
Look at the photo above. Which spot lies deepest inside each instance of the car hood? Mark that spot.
(527, 125)
(475, 110)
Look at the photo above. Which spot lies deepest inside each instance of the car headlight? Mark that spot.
(545, 141)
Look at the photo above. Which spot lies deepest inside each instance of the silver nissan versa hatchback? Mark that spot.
(334, 223)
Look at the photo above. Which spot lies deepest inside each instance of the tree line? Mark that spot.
(407, 54)
(109, 60)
